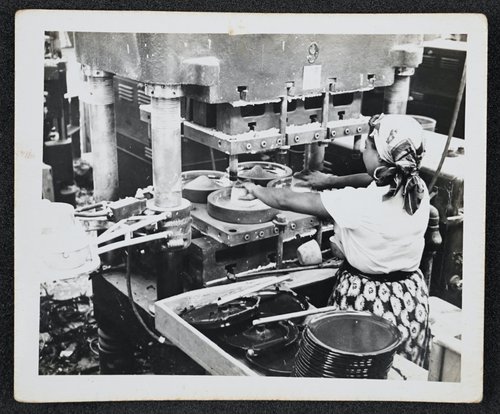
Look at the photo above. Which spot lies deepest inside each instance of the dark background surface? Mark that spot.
(8, 8)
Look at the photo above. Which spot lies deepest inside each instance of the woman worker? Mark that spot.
(379, 229)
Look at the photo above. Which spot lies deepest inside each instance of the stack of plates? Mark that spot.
(347, 345)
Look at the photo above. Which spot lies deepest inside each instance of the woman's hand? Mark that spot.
(250, 195)
(316, 179)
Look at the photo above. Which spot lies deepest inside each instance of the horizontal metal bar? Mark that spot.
(264, 141)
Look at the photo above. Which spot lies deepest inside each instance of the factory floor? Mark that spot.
(68, 331)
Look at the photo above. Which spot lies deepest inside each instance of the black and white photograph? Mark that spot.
(242, 206)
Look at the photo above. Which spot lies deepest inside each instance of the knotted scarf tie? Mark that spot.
(398, 139)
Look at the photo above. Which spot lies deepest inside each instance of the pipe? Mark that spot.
(456, 110)
(166, 149)
(102, 131)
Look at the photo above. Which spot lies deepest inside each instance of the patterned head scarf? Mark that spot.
(398, 139)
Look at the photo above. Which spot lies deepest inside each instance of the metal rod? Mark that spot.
(279, 249)
(252, 289)
(292, 315)
(456, 109)
(233, 167)
(126, 229)
(166, 151)
(319, 233)
(289, 269)
(282, 153)
(325, 109)
(83, 127)
(212, 158)
(280, 221)
(317, 150)
(134, 241)
(283, 116)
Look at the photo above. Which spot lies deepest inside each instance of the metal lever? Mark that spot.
(237, 295)
(292, 315)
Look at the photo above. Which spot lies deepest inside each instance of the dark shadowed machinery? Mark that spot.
(164, 110)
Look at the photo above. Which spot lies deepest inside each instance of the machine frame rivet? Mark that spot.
(316, 135)
(249, 146)
(246, 237)
(333, 133)
(359, 129)
(347, 131)
(263, 144)
(293, 226)
(296, 138)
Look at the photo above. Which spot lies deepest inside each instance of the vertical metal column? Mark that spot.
(317, 155)
(166, 144)
(283, 150)
(100, 102)
(396, 95)
(233, 167)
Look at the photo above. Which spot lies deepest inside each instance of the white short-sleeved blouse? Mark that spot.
(377, 236)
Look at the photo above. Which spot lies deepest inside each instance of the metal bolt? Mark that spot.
(263, 144)
(246, 237)
(279, 141)
(220, 143)
(359, 129)
(293, 226)
(333, 133)
(249, 146)
(261, 233)
(347, 131)
(276, 230)
(280, 219)
(316, 135)
(297, 138)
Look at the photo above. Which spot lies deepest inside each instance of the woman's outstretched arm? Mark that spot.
(286, 199)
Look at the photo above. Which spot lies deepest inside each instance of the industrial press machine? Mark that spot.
(159, 102)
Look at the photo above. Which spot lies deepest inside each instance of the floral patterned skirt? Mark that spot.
(404, 302)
